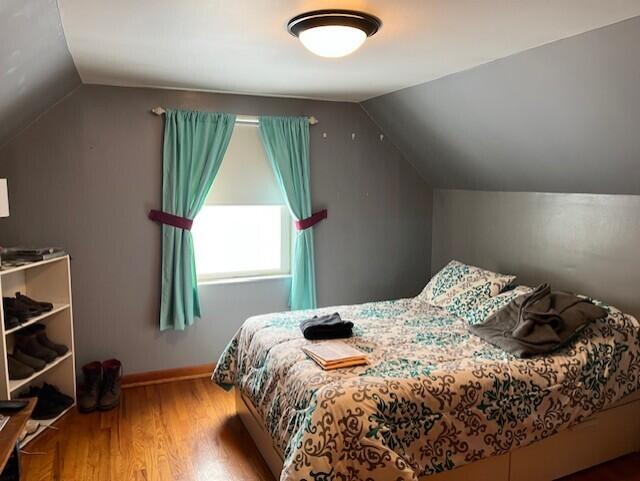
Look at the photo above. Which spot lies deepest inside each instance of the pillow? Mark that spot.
(494, 304)
(459, 287)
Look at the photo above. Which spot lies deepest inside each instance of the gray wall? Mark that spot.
(563, 117)
(579, 242)
(36, 69)
(86, 173)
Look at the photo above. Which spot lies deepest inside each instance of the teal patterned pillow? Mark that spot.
(460, 287)
(493, 305)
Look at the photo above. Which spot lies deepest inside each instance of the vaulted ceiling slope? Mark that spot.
(36, 69)
(564, 117)
(242, 46)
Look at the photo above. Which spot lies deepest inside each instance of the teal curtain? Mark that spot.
(286, 141)
(194, 145)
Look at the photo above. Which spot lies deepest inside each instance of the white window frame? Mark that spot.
(286, 254)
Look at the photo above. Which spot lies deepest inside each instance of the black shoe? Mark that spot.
(45, 407)
(51, 392)
(19, 309)
(10, 321)
(45, 306)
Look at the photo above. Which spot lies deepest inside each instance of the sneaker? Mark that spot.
(29, 428)
(32, 426)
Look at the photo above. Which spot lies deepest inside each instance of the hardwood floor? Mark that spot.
(180, 431)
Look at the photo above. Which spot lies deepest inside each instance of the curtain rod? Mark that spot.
(240, 119)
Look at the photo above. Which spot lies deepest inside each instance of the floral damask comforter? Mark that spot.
(434, 397)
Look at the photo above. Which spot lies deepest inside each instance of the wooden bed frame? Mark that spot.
(606, 435)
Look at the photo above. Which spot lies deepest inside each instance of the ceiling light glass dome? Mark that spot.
(333, 33)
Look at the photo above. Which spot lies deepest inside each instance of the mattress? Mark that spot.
(433, 396)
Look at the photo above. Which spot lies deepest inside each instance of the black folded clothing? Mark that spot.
(329, 326)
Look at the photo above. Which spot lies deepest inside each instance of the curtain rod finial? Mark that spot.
(313, 120)
(158, 110)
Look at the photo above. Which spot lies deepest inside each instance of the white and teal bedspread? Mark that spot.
(433, 397)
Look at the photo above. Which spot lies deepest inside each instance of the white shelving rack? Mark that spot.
(49, 281)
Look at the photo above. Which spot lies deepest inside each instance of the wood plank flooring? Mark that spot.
(180, 431)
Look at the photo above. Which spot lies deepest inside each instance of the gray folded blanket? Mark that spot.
(538, 323)
(329, 326)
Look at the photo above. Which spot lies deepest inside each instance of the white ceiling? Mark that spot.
(243, 46)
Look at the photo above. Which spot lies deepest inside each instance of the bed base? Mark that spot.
(606, 435)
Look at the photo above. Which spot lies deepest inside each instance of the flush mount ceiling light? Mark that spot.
(333, 33)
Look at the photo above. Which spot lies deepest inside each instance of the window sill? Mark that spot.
(243, 280)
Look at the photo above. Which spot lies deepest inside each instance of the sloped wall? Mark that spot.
(36, 69)
(85, 175)
(564, 117)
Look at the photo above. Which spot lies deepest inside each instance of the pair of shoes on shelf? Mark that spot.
(51, 401)
(33, 341)
(21, 308)
(102, 386)
(32, 351)
(33, 362)
(41, 306)
(18, 370)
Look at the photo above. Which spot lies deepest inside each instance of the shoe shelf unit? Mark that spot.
(49, 281)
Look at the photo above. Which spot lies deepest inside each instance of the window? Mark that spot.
(244, 229)
(242, 240)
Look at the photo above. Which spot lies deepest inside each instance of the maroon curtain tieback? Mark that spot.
(170, 219)
(311, 221)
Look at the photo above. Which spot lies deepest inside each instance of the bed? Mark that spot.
(434, 402)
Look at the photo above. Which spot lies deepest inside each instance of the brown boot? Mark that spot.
(111, 380)
(90, 392)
